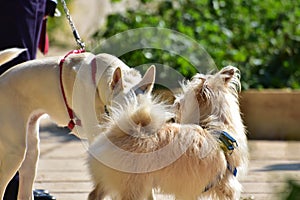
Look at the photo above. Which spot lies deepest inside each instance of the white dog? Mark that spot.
(139, 151)
(47, 86)
(212, 101)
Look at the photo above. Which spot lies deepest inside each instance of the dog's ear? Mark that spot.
(117, 82)
(227, 73)
(146, 84)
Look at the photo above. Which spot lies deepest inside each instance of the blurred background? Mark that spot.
(262, 38)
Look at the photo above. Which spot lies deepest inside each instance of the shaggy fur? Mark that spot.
(32, 89)
(139, 151)
(216, 98)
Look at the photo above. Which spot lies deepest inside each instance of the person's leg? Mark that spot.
(13, 21)
(11, 191)
(22, 22)
(10, 12)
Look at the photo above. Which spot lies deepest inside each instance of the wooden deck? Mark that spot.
(62, 167)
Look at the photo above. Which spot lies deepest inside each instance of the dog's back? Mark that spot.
(140, 151)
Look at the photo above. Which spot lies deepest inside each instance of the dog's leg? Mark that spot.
(9, 165)
(229, 188)
(138, 189)
(151, 196)
(97, 193)
(12, 152)
(29, 166)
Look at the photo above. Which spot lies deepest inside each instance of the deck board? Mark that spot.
(63, 171)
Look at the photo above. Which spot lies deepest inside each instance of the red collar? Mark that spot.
(73, 119)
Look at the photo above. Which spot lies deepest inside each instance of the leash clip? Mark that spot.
(229, 142)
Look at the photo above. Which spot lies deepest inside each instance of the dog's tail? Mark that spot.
(141, 115)
(9, 54)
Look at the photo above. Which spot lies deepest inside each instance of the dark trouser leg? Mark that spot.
(11, 191)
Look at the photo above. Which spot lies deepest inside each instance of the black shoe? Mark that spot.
(42, 195)
(41, 191)
(11, 191)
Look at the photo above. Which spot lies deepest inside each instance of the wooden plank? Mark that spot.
(62, 165)
(70, 195)
(267, 118)
(258, 196)
(273, 165)
(57, 176)
(57, 187)
(268, 177)
(66, 150)
(263, 187)
(274, 150)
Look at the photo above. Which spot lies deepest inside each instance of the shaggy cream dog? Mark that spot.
(212, 102)
(140, 151)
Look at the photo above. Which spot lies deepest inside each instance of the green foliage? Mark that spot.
(261, 38)
(293, 189)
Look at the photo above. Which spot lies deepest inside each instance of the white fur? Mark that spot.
(32, 89)
(217, 100)
(134, 155)
(140, 151)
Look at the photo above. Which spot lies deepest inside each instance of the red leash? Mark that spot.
(73, 119)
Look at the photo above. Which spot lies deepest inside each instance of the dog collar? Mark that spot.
(233, 170)
(228, 143)
(73, 119)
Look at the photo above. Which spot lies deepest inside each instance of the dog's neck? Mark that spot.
(36, 84)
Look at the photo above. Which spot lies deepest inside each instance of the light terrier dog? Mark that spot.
(215, 97)
(47, 86)
(139, 151)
